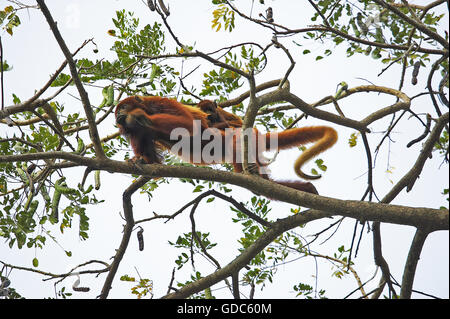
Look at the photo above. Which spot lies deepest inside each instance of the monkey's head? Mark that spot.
(210, 108)
(207, 106)
(131, 116)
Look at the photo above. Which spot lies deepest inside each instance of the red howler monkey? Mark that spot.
(148, 123)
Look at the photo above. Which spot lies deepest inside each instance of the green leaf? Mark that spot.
(198, 188)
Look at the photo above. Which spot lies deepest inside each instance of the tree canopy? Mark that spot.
(375, 70)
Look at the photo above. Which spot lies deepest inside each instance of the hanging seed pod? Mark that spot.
(80, 146)
(22, 175)
(269, 14)
(55, 205)
(97, 180)
(31, 168)
(415, 72)
(140, 237)
(151, 5)
(361, 24)
(45, 194)
(76, 287)
(164, 8)
(110, 95)
(355, 28)
(32, 209)
(56, 198)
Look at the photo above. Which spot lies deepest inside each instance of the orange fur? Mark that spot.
(148, 122)
(218, 117)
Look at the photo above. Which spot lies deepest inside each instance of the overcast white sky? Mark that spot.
(34, 55)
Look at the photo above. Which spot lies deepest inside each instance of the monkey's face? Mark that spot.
(131, 117)
(208, 106)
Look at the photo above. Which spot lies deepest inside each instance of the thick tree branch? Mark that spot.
(435, 219)
(128, 228)
(411, 263)
(323, 115)
(245, 95)
(76, 79)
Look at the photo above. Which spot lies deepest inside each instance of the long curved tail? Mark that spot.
(324, 136)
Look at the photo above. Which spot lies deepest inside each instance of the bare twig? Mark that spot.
(423, 135)
(434, 67)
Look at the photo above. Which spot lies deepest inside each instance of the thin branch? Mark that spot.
(195, 54)
(415, 23)
(270, 25)
(249, 119)
(362, 286)
(231, 200)
(409, 178)
(423, 135)
(172, 278)
(346, 265)
(434, 67)
(381, 113)
(243, 96)
(241, 208)
(370, 190)
(325, 21)
(323, 115)
(64, 275)
(359, 40)
(291, 59)
(377, 291)
(58, 132)
(378, 256)
(198, 239)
